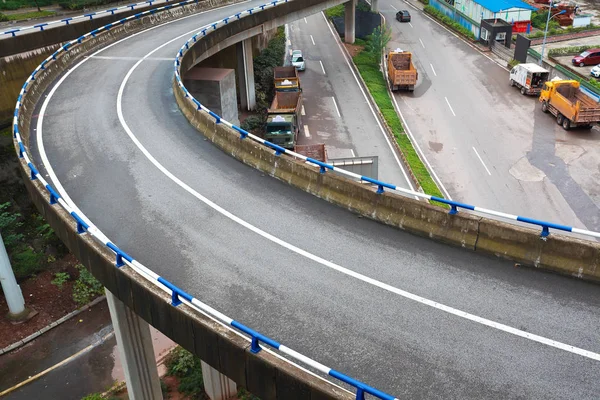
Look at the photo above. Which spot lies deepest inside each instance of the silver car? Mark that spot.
(298, 60)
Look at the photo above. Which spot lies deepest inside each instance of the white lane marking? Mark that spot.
(303, 112)
(434, 73)
(449, 106)
(322, 67)
(312, 39)
(414, 141)
(336, 38)
(305, 20)
(405, 294)
(411, 25)
(352, 151)
(50, 171)
(289, 42)
(306, 131)
(391, 5)
(130, 58)
(336, 107)
(480, 159)
(421, 43)
(290, 52)
(329, 264)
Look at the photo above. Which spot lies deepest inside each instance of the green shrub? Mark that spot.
(60, 278)
(264, 63)
(334, 12)
(4, 18)
(253, 122)
(184, 365)
(243, 394)
(444, 19)
(538, 20)
(563, 51)
(595, 83)
(512, 63)
(426, 2)
(93, 396)
(86, 287)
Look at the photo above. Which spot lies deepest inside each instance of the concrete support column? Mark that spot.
(217, 385)
(375, 5)
(12, 291)
(136, 352)
(350, 22)
(246, 75)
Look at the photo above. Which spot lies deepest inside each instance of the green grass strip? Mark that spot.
(28, 15)
(369, 70)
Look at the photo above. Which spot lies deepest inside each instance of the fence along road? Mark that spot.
(371, 331)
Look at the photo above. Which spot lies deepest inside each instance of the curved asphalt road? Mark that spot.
(396, 344)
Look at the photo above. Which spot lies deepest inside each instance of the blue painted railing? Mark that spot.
(79, 18)
(178, 296)
(381, 186)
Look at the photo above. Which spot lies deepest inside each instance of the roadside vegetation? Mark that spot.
(538, 21)
(368, 63)
(449, 22)
(572, 50)
(264, 63)
(26, 15)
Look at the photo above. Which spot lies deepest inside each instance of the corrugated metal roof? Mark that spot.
(503, 5)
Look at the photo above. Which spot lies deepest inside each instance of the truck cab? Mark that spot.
(282, 130)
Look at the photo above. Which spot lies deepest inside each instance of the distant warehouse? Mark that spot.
(469, 13)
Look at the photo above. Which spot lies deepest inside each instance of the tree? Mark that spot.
(380, 38)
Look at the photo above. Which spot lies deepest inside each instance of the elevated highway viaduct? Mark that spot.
(405, 314)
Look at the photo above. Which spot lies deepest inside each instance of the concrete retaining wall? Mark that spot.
(262, 374)
(558, 253)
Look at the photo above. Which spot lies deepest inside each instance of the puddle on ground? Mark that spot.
(436, 146)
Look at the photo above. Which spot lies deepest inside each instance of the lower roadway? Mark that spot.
(388, 327)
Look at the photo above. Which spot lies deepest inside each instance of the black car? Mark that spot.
(403, 16)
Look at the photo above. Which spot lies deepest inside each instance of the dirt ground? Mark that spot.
(47, 299)
(353, 49)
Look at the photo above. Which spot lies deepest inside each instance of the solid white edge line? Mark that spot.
(387, 139)
(482, 163)
(449, 106)
(305, 20)
(336, 267)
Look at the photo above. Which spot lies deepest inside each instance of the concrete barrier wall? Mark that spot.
(263, 374)
(558, 253)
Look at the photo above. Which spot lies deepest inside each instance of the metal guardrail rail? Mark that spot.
(178, 296)
(78, 18)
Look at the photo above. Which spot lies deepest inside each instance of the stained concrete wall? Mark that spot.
(214, 88)
(262, 374)
(559, 253)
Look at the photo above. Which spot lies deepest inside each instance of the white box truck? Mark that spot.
(530, 78)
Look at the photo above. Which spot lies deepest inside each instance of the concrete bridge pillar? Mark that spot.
(136, 351)
(246, 75)
(217, 385)
(375, 5)
(350, 22)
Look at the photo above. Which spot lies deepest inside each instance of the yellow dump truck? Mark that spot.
(286, 79)
(572, 107)
(283, 119)
(401, 71)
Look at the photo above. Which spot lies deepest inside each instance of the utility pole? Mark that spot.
(12, 291)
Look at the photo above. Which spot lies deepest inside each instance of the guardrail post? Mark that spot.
(135, 350)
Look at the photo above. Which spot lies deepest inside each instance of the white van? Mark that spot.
(529, 78)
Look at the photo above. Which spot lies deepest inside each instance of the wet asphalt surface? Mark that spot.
(396, 344)
(464, 109)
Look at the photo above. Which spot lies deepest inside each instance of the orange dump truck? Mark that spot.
(401, 71)
(572, 107)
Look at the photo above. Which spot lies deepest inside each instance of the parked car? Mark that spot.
(403, 16)
(588, 57)
(595, 72)
(298, 60)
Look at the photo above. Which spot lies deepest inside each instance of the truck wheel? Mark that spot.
(559, 119)
(566, 124)
(512, 82)
(523, 90)
(545, 106)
